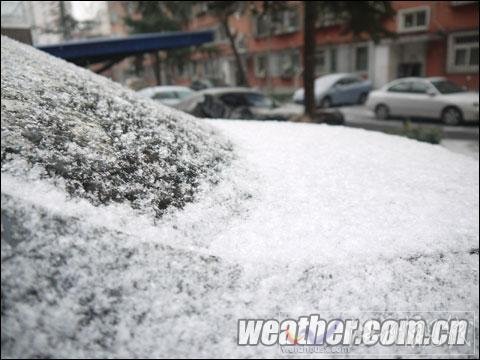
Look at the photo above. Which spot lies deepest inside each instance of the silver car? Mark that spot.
(436, 98)
(236, 103)
(167, 95)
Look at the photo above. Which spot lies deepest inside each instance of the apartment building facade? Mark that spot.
(40, 22)
(434, 38)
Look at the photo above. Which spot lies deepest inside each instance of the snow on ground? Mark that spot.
(465, 147)
(303, 219)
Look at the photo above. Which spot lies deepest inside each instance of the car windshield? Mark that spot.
(447, 87)
(182, 94)
(258, 100)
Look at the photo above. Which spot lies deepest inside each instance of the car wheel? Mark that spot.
(326, 103)
(382, 112)
(362, 98)
(451, 116)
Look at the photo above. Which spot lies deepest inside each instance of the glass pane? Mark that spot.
(164, 95)
(408, 20)
(466, 39)
(460, 56)
(446, 87)
(421, 18)
(400, 87)
(333, 60)
(418, 87)
(258, 100)
(474, 56)
(184, 94)
(361, 58)
(320, 62)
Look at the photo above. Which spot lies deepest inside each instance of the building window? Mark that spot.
(463, 52)
(291, 20)
(284, 64)
(327, 18)
(281, 22)
(184, 69)
(460, 3)
(320, 62)
(333, 60)
(415, 19)
(220, 34)
(261, 65)
(114, 17)
(325, 61)
(361, 58)
(261, 25)
(290, 61)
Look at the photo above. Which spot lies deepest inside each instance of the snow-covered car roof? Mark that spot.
(269, 220)
(414, 78)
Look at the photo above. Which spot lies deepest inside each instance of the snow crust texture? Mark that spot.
(285, 220)
(104, 142)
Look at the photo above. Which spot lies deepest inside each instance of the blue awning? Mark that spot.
(109, 49)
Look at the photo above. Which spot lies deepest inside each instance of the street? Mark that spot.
(361, 117)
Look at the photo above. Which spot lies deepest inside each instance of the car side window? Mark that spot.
(352, 80)
(164, 95)
(418, 87)
(234, 100)
(258, 100)
(401, 87)
(347, 81)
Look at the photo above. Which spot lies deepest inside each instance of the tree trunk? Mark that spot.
(309, 59)
(156, 67)
(242, 79)
(65, 28)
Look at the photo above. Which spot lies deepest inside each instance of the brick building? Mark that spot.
(435, 38)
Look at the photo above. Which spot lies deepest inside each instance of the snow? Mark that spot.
(299, 219)
(103, 141)
(465, 147)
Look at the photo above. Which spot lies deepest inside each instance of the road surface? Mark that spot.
(361, 117)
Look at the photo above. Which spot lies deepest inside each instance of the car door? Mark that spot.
(422, 101)
(397, 98)
(339, 91)
(351, 90)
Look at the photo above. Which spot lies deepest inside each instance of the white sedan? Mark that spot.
(167, 95)
(436, 98)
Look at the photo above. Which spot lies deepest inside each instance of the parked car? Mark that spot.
(337, 89)
(167, 95)
(236, 103)
(435, 97)
(202, 84)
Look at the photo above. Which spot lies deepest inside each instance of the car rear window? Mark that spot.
(447, 87)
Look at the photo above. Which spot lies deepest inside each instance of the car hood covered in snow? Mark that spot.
(284, 220)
